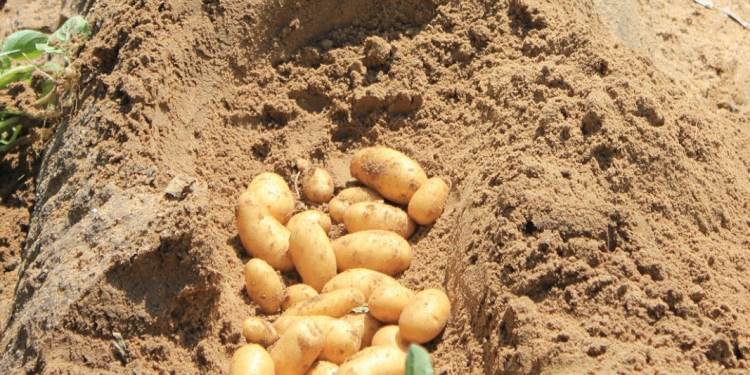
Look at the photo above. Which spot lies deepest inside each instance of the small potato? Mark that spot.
(262, 236)
(312, 254)
(376, 360)
(428, 202)
(323, 368)
(314, 216)
(389, 172)
(387, 301)
(361, 279)
(338, 205)
(259, 331)
(264, 285)
(317, 185)
(373, 215)
(298, 348)
(365, 325)
(273, 195)
(377, 250)
(297, 293)
(251, 359)
(390, 336)
(342, 342)
(336, 304)
(425, 316)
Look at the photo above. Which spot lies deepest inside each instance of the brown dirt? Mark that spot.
(598, 221)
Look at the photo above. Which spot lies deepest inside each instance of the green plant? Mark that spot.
(418, 361)
(50, 80)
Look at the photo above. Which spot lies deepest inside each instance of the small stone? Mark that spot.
(179, 187)
(377, 51)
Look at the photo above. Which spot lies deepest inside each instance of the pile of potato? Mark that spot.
(349, 316)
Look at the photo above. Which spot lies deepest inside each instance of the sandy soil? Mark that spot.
(598, 221)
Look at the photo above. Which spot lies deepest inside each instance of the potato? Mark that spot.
(263, 236)
(338, 205)
(376, 360)
(298, 348)
(389, 172)
(259, 331)
(425, 316)
(390, 336)
(365, 325)
(284, 322)
(373, 215)
(312, 254)
(323, 368)
(336, 304)
(251, 359)
(264, 286)
(295, 294)
(387, 301)
(317, 185)
(377, 250)
(342, 342)
(361, 279)
(273, 195)
(311, 215)
(428, 202)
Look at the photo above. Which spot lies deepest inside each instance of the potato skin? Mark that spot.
(377, 250)
(361, 279)
(317, 185)
(342, 342)
(389, 172)
(312, 254)
(283, 323)
(273, 194)
(425, 316)
(297, 348)
(264, 286)
(335, 304)
(387, 301)
(338, 205)
(295, 294)
(259, 331)
(365, 325)
(323, 368)
(262, 235)
(428, 202)
(390, 336)
(374, 215)
(314, 216)
(251, 359)
(376, 360)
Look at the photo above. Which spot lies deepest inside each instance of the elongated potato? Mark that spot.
(262, 235)
(311, 215)
(365, 325)
(342, 342)
(425, 316)
(273, 195)
(373, 215)
(428, 202)
(284, 322)
(298, 348)
(377, 250)
(336, 304)
(390, 336)
(312, 254)
(317, 185)
(251, 359)
(264, 286)
(295, 294)
(389, 172)
(387, 301)
(259, 331)
(376, 360)
(338, 205)
(362, 279)
(323, 368)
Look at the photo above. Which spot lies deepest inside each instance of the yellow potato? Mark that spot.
(295, 294)
(362, 279)
(387, 301)
(390, 336)
(259, 331)
(273, 194)
(264, 286)
(251, 359)
(262, 235)
(425, 316)
(428, 202)
(377, 250)
(298, 348)
(317, 185)
(311, 215)
(336, 304)
(373, 215)
(323, 368)
(365, 325)
(312, 254)
(338, 205)
(342, 342)
(389, 172)
(376, 360)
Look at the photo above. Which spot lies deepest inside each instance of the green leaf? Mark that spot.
(74, 25)
(47, 48)
(418, 361)
(51, 67)
(5, 64)
(23, 43)
(17, 74)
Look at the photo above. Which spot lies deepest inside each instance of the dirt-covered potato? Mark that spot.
(284, 322)
(273, 194)
(389, 172)
(338, 205)
(342, 342)
(365, 325)
(362, 279)
(323, 368)
(375, 360)
(297, 293)
(312, 254)
(313, 216)
(390, 336)
(251, 359)
(259, 331)
(377, 250)
(262, 235)
(264, 285)
(336, 304)
(374, 215)
(387, 301)
(428, 202)
(297, 348)
(317, 185)
(425, 316)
